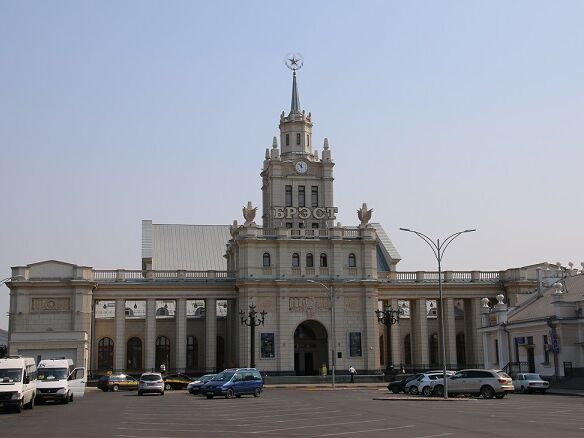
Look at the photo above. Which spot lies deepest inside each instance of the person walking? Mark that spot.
(352, 372)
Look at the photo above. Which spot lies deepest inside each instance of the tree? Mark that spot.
(3, 351)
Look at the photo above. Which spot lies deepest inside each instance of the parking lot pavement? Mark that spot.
(298, 413)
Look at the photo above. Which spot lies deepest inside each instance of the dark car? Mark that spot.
(195, 386)
(176, 381)
(234, 382)
(116, 382)
(400, 385)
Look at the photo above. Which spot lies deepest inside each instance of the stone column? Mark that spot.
(120, 341)
(450, 333)
(180, 320)
(210, 334)
(395, 339)
(473, 339)
(371, 330)
(230, 337)
(419, 333)
(150, 335)
(285, 337)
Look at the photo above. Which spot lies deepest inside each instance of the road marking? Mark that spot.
(432, 436)
(316, 425)
(365, 431)
(298, 412)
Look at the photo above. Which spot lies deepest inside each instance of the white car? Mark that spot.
(530, 382)
(423, 383)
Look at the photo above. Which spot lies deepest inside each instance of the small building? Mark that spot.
(543, 332)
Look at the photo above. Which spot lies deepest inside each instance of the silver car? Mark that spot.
(487, 383)
(530, 382)
(151, 383)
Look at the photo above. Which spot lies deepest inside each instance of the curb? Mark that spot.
(434, 399)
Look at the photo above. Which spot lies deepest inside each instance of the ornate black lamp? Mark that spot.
(252, 320)
(389, 317)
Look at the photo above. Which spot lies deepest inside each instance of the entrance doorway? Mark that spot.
(310, 348)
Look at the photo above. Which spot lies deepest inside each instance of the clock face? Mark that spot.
(301, 167)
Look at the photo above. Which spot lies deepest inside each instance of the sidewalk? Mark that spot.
(563, 391)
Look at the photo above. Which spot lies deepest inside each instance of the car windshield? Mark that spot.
(10, 375)
(48, 374)
(223, 377)
(150, 378)
(530, 376)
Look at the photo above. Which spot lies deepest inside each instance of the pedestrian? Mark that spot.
(352, 372)
(163, 369)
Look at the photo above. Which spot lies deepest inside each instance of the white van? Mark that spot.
(17, 383)
(58, 380)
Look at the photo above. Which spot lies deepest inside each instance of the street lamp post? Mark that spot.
(389, 317)
(331, 291)
(438, 248)
(252, 320)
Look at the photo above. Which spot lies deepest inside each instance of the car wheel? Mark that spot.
(395, 390)
(426, 391)
(162, 393)
(167, 386)
(71, 398)
(30, 404)
(19, 406)
(209, 396)
(104, 389)
(238, 396)
(524, 390)
(115, 388)
(439, 390)
(487, 391)
(229, 393)
(66, 400)
(500, 396)
(413, 390)
(139, 393)
(257, 392)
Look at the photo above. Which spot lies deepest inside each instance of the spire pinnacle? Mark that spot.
(294, 62)
(295, 106)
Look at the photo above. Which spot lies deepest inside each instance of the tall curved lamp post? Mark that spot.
(331, 291)
(438, 248)
(252, 320)
(389, 317)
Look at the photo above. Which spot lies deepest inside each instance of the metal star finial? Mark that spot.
(294, 61)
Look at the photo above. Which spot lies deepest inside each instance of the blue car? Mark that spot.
(234, 382)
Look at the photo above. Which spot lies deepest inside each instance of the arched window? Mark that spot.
(162, 352)
(192, 353)
(295, 260)
(134, 354)
(460, 349)
(381, 350)
(105, 354)
(163, 311)
(309, 260)
(352, 261)
(266, 260)
(323, 261)
(220, 353)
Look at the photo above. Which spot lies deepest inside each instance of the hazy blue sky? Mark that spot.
(441, 115)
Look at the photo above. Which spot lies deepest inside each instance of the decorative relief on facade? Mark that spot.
(352, 304)
(309, 305)
(266, 303)
(50, 305)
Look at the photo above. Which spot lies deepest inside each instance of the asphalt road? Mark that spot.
(300, 413)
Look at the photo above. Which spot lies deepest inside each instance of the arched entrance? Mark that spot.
(310, 348)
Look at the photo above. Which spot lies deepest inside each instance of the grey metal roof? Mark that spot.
(386, 247)
(189, 247)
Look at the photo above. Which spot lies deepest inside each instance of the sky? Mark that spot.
(442, 116)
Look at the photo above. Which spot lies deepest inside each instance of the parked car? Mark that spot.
(423, 384)
(151, 383)
(58, 380)
(530, 382)
(176, 381)
(18, 378)
(116, 382)
(234, 382)
(487, 383)
(400, 385)
(195, 386)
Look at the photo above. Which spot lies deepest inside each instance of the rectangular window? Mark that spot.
(355, 344)
(546, 349)
(287, 139)
(288, 224)
(497, 350)
(301, 196)
(308, 140)
(315, 225)
(297, 138)
(314, 196)
(288, 196)
(267, 345)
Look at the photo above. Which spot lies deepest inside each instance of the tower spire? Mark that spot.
(295, 106)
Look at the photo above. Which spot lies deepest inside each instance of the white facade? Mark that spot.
(319, 282)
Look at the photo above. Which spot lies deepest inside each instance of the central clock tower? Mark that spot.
(297, 183)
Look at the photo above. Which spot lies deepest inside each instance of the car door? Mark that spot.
(238, 384)
(458, 382)
(76, 382)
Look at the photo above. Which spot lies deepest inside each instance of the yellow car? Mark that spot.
(116, 382)
(176, 381)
